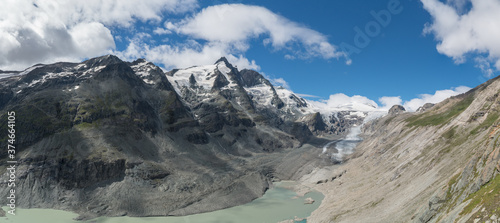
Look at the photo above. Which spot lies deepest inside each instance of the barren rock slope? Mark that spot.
(441, 165)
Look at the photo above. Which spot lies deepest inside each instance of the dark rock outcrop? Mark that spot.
(314, 122)
(396, 109)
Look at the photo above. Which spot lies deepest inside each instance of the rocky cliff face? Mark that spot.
(110, 137)
(437, 165)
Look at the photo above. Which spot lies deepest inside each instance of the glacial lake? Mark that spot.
(277, 204)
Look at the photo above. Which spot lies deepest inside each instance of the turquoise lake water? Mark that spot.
(277, 204)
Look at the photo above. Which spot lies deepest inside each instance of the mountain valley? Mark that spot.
(107, 137)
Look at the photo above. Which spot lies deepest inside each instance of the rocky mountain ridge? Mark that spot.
(108, 136)
(252, 92)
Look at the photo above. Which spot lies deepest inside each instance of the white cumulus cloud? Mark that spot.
(41, 31)
(438, 96)
(84, 38)
(279, 82)
(227, 30)
(388, 102)
(462, 30)
(183, 55)
(341, 101)
(38, 31)
(236, 24)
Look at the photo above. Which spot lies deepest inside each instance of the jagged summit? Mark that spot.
(225, 61)
(139, 61)
(102, 60)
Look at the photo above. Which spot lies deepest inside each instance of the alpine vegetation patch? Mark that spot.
(372, 29)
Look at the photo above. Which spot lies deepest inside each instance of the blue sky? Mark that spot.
(401, 60)
(426, 46)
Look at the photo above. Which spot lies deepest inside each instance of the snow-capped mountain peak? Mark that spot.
(216, 85)
(206, 83)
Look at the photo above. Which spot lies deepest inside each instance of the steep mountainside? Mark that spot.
(438, 165)
(108, 137)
